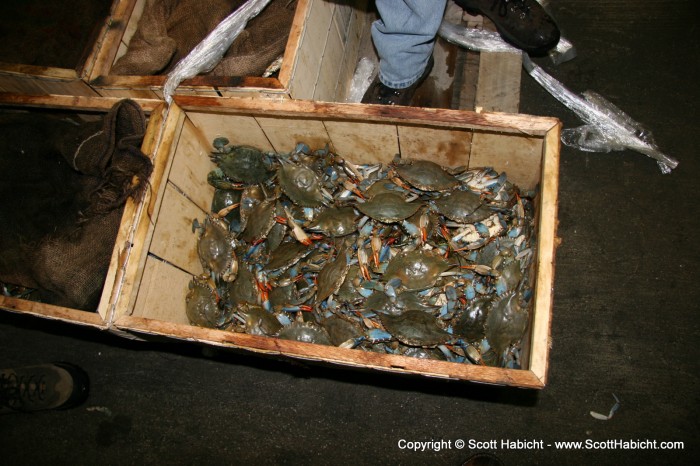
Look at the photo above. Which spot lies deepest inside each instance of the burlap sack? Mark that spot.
(60, 224)
(170, 29)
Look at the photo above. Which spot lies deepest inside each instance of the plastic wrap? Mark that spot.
(207, 54)
(364, 74)
(607, 127)
(477, 40)
(564, 50)
(480, 40)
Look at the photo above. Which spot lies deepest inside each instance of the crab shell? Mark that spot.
(224, 198)
(340, 330)
(458, 205)
(307, 332)
(506, 322)
(300, 184)
(216, 250)
(202, 307)
(415, 328)
(470, 323)
(425, 175)
(243, 289)
(260, 221)
(244, 164)
(287, 255)
(335, 221)
(258, 321)
(416, 269)
(388, 208)
(332, 275)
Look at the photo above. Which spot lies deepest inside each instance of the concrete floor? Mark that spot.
(624, 319)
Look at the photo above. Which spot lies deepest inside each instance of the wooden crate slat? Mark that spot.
(162, 302)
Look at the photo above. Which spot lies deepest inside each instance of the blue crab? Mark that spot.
(332, 275)
(300, 184)
(216, 249)
(417, 270)
(307, 332)
(424, 175)
(258, 321)
(470, 323)
(506, 322)
(340, 330)
(226, 204)
(243, 164)
(203, 306)
(415, 328)
(458, 205)
(335, 221)
(388, 207)
(260, 221)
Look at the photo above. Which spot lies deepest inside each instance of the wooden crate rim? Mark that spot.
(521, 378)
(493, 121)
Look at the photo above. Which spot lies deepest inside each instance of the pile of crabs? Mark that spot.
(406, 258)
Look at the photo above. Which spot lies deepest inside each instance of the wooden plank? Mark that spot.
(499, 82)
(152, 302)
(284, 134)
(131, 28)
(332, 355)
(111, 41)
(84, 103)
(356, 36)
(310, 52)
(547, 243)
(498, 88)
(146, 214)
(128, 224)
(191, 165)
(239, 130)
(49, 311)
(28, 84)
(333, 55)
(445, 147)
(430, 117)
(362, 142)
(173, 239)
(296, 34)
(519, 156)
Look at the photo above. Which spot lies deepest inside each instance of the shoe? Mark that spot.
(379, 93)
(48, 386)
(522, 23)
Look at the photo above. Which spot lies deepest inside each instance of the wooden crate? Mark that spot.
(321, 52)
(164, 258)
(37, 79)
(326, 41)
(87, 108)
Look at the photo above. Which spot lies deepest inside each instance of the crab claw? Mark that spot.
(362, 261)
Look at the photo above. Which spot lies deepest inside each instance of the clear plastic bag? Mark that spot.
(208, 53)
(364, 74)
(607, 127)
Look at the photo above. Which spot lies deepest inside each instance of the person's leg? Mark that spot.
(404, 37)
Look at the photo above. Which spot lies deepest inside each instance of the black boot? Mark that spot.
(378, 93)
(522, 23)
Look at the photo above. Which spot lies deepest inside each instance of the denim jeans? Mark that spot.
(404, 37)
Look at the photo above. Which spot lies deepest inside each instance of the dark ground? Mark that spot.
(624, 319)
